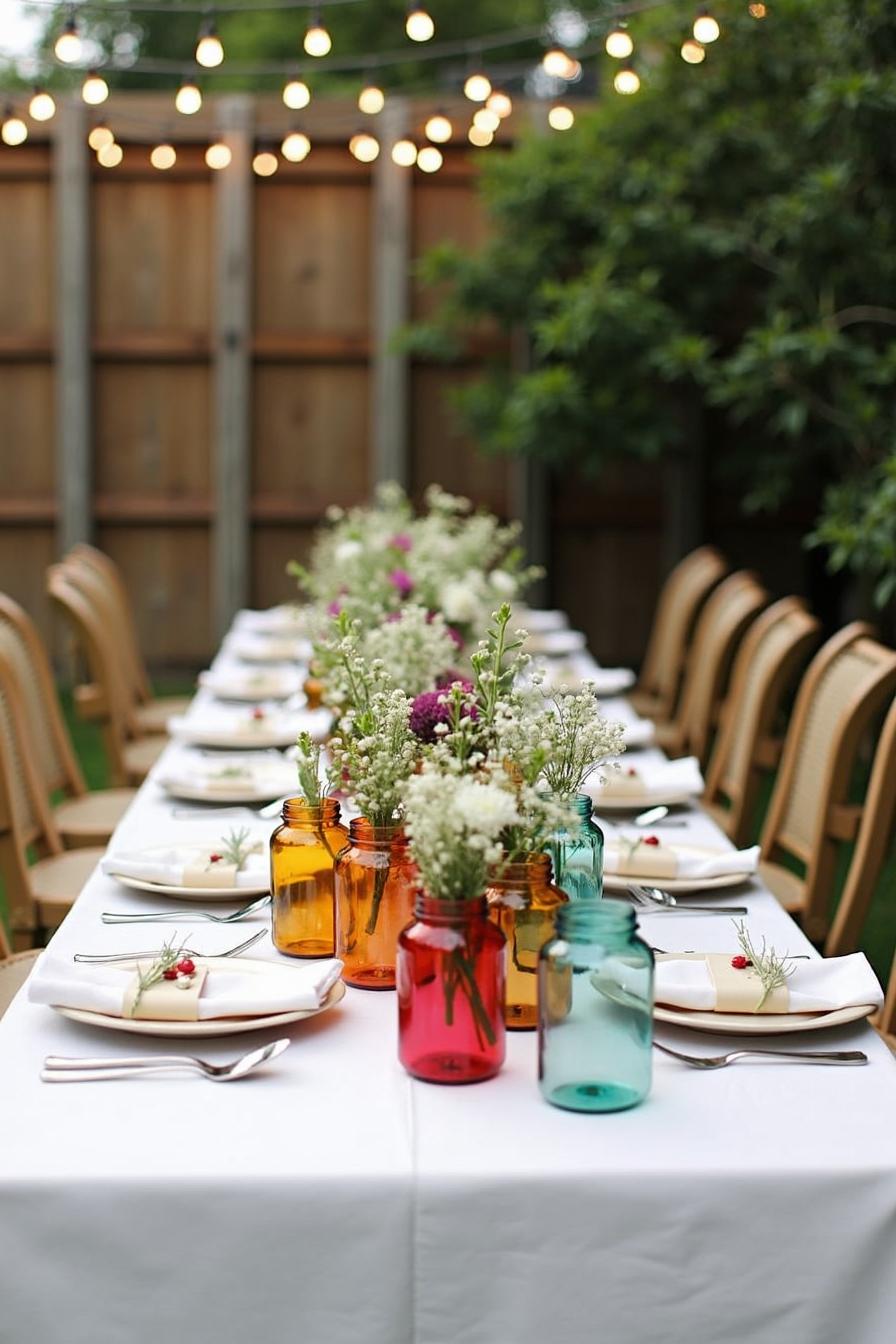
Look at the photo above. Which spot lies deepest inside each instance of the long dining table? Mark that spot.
(332, 1199)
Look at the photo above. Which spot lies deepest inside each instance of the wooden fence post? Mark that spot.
(232, 371)
(71, 177)
(390, 262)
(530, 485)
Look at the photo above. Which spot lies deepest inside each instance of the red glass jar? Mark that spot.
(303, 856)
(376, 882)
(522, 902)
(450, 980)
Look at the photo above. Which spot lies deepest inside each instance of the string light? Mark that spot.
(486, 119)
(706, 28)
(209, 47)
(99, 135)
(619, 43)
(163, 157)
(758, 10)
(438, 129)
(556, 63)
(692, 51)
(364, 147)
(13, 131)
(479, 138)
(42, 106)
(500, 102)
(296, 147)
(94, 90)
(265, 164)
(626, 80)
(188, 98)
(477, 88)
(111, 155)
(68, 46)
(218, 155)
(296, 94)
(317, 40)
(561, 117)
(429, 159)
(404, 153)
(371, 99)
(418, 24)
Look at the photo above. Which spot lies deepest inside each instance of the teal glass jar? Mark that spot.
(595, 1009)
(577, 855)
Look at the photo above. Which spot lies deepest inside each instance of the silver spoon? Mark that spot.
(661, 901)
(59, 1069)
(98, 960)
(657, 814)
(175, 917)
(797, 1056)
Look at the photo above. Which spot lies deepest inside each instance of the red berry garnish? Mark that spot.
(258, 713)
(651, 840)
(170, 974)
(186, 967)
(739, 963)
(215, 858)
(632, 770)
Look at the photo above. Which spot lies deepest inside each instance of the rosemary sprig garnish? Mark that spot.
(630, 844)
(772, 970)
(169, 956)
(234, 848)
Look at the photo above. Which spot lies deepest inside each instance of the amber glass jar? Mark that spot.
(303, 856)
(523, 902)
(376, 880)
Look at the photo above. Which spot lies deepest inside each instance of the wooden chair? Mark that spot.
(682, 595)
(720, 626)
(100, 580)
(773, 651)
(885, 1021)
(15, 967)
(81, 818)
(129, 760)
(847, 683)
(38, 894)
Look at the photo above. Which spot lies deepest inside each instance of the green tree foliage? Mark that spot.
(715, 255)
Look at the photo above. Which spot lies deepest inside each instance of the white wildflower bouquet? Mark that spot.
(455, 823)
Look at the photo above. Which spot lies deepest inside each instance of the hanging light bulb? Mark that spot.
(419, 25)
(42, 106)
(692, 51)
(555, 63)
(110, 156)
(218, 155)
(364, 147)
(706, 28)
(94, 90)
(758, 10)
(478, 137)
(404, 153)
(371, 99)
(500, 102)
(99, 135)
(209, 47)
(429, 160)
(68, 45)
(317, 40)
(486, 119)
(265, 164)
(477, 87)
(626, 80)
(561, 117)
(296, 94)
(619, 43)
(438, 129)
(188, 98)
(13, 131)
(296, 147)
(163, 157)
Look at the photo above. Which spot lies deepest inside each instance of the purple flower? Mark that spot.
(427, 712)
(402, 582)
(400, 542)
(334, 608)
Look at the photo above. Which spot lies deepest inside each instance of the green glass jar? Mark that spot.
(577, 855)
(595, 1009)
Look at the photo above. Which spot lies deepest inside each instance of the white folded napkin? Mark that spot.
(254, 777)
(671, 861)
(638, 733)
(285, 620)
(264, 683)
(184, 867)
(254, 648)
(653, 778)
(228, 991)
(814, 986)
(273, 726)
(538, 620)
(555, 643)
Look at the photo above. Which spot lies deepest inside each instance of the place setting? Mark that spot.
(254, 685)
(630, 788)
(232, 864)
(224, 778)
(257, 727)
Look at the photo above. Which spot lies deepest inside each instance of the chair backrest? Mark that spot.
(92, 586)
(847, 683)
(21, 646)
(886, 1018)
(765, 667)
(727, 613)
(109, 581)
(681, 597)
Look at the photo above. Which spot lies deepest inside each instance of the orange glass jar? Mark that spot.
(376, 882)
(522, 902)
(303, 857)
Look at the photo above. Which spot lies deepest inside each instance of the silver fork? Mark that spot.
(95, 960)
(174, 917)
(661, 902)
(795, 1056)
(60, 1069)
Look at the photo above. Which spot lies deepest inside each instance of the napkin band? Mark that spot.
(210, 875)
(165, 1001)
(736, 991)
(623, 783)
(647, 861)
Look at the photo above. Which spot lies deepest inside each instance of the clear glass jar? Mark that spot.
(578, 855)
(376, 883)
(303, 857)
(595, 996)
(523, 902)
(451, 992)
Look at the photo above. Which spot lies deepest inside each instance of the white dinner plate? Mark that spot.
(259, 739)
(240, 793)
(639, 802)
(197, 894)
(619, 881)
(761, 1024)
(213, 1026)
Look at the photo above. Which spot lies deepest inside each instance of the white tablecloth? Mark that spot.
(335, 1201)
